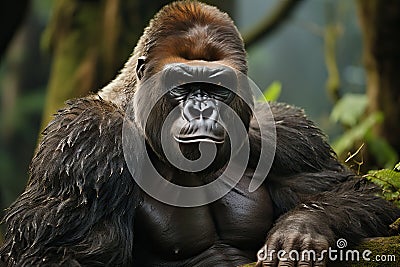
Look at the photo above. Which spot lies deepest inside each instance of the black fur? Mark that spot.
(80, 198)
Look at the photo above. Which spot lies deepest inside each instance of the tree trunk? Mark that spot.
(380, 22)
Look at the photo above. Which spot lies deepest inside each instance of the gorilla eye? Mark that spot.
(179, 93)
(220, 93)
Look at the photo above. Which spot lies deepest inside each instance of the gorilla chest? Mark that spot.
(240, 219)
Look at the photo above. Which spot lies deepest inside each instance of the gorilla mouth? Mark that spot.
(193, 133)
(186, 139)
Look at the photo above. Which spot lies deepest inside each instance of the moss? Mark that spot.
(382, 247)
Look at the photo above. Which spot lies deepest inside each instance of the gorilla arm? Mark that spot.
(78, 206)
(316, 199)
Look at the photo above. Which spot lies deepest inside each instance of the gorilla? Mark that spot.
(94, 197)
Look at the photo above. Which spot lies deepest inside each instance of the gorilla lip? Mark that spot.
(199, 138)
(191, 132)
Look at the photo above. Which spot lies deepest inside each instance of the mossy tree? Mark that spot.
(380, 21)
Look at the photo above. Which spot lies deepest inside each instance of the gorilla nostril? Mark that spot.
(193, 112)
(208, 112)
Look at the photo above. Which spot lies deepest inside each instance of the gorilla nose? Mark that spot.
(203, 123)
(200, 110)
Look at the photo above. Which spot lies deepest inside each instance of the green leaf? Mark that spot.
(386, 178)
(345, 142)
(273, 91)
(349, 109)
(389, 181)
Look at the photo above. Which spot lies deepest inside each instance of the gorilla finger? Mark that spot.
(305, 263)
(319, 263)
(267, 257)
(286, 263)
(274, 242)
(268, 263)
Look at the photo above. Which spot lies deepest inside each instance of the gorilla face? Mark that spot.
(195, 104)
(198, 89)
(201, 104)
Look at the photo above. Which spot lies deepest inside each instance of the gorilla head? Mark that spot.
(193, 81)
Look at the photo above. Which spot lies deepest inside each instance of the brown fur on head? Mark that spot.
(180, 31)
(190, 30)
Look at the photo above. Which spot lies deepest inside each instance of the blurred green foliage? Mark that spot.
(341, 112)
(351, 112)
(273, 91)
(24, 71)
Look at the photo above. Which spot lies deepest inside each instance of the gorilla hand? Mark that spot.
(296, 240)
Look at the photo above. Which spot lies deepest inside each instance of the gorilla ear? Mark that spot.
(140, 67)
